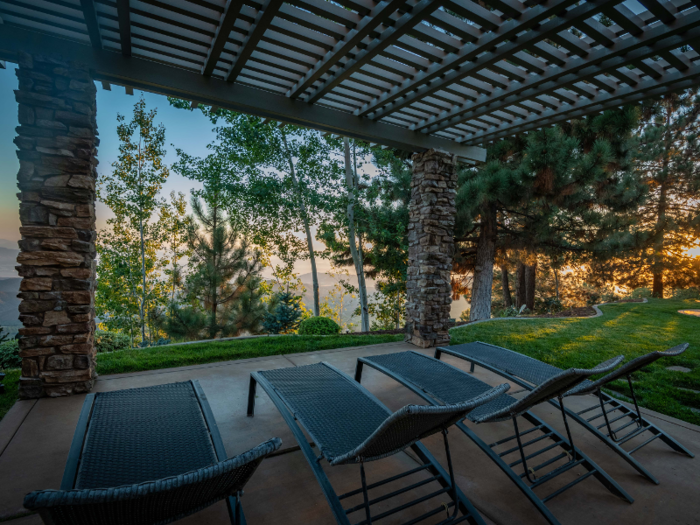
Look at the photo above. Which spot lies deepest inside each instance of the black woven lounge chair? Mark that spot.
(350, 425)
(439, 383)
(147, 456)
(529, 373)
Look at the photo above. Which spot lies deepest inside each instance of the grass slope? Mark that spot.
(200, 353)
(632, 329)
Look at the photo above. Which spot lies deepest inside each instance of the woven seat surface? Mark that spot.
(442, 381)
(531, 370)
(144, 434)
(333, 408)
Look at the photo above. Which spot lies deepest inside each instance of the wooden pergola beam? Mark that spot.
(93, 26)
(231, 12)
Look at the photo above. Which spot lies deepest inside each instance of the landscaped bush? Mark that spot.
(9, 354)
(318, 326)
(686, 293)
(640, 293)
(111, 341)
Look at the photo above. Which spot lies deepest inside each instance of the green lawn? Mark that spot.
(200, 353)
(631, 329)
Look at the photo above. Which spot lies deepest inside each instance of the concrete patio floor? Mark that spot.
(35, 437)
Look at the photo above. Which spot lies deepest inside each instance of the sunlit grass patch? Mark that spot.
(631, 329)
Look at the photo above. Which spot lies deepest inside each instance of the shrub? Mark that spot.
(9, 354)
(511, 311)
(111, 341)
(686, 293)
(284, 314)
(318, 326)
(640, 293)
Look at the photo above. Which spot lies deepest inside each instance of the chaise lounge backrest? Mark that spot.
(151, 502)
(553, 387)
(410, 424)
(588, 387)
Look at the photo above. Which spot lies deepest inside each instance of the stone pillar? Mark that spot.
(57, 142)
(430, 248)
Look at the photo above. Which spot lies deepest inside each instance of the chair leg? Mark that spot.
(453, 481)
(530, 475)
(251, 396)
(568, 431)
(358, 371)
(365, 495)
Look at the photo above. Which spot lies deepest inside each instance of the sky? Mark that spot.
(188, 130)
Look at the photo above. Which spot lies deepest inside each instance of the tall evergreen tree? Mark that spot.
(669, 220)
(225, 278)
(564, 189)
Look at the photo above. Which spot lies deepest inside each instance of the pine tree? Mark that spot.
(558, 190)
(284, 315)
(669, 220)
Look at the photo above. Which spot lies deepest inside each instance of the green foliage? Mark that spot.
(511, 311)
(386, 306)
(668, 221)
(318, 326)
(687, 293)
(9, 354)
(282, 179)
(640, 293)
(284, 314)
(131, 258)
(631, 329)
(106, 341)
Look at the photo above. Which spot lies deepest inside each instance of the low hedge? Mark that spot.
(9, 354)
(318, 326)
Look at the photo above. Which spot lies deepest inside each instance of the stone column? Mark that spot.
(57, 142)
(430, 248)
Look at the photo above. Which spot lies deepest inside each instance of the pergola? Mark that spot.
(440, 78)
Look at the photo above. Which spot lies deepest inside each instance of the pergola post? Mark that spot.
(57, 141)
(430, 248)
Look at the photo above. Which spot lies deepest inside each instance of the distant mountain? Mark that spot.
(8, 261)
(4, 243)
(9, 304)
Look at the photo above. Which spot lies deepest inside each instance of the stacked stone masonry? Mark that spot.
(430, 248)
(57, 146)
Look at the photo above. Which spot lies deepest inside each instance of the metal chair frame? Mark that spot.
(610, 439)
(458, 503)
(557, 440)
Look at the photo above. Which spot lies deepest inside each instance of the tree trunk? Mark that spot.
(357, 259)
(505, 284)
(556, 283)
(657, 289)
(307, 228)
(520, 285)
(530, 282)
(143, 276)
(483, 271)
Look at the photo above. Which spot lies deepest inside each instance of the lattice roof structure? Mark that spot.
(450, 74)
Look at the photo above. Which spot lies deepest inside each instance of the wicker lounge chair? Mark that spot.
(529, 373)
(147, 456)
(439, 383)
(349, 425)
